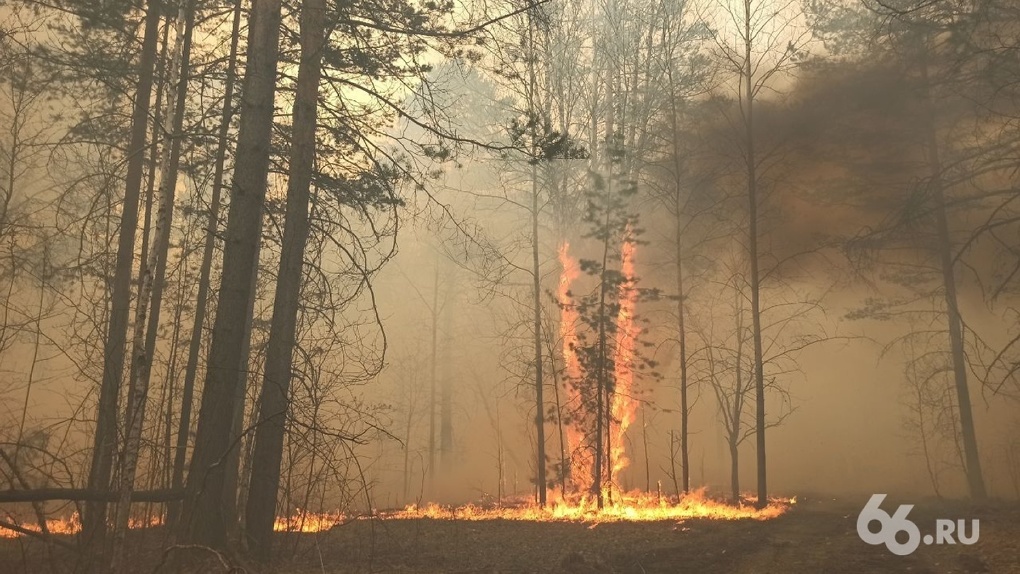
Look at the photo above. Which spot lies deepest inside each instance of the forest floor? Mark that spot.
(818, 535)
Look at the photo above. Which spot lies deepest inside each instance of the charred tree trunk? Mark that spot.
(205, 272)
(203, 521)
(275, 396)
(105, 442)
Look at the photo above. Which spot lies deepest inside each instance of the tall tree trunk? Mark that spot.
(105, 442)
(752, 245)
(564, 462)
(205, 271)
(150, 290)
(975, 479)
(536, 270)
(446, 382)
(407, 448)
(432, 379)
(734, 469)
(602, 404)
(275, 399)
(235, 481)
(681, 328)
(155, 154)
(733, 438)
(169, 407)
(203, 521)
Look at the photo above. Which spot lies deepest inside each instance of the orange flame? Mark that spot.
(633, 506)
(623, 407)
(579, 464)
(304, 521)
(72, 525)
(299, 521)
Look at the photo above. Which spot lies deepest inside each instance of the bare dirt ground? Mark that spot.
(817, 536)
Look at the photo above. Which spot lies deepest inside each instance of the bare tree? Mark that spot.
(757, 42)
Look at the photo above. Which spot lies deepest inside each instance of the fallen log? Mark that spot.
(83, 494)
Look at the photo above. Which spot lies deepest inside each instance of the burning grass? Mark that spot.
(632, 507)
(629, 507)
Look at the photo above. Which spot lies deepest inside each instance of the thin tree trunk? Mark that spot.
(171, 383)
(236, 479)
(738, 404)
(150, 291)
(205, 272)
(154, 147)
(105, 442)
(407, 448)
(275, 396)
(564, 463)
(602, 429)
(975, 479)
(203, 520)
(536, 269)
(734, 469)
(752, 200)
(432, 380)
(445, 384)
(539, 378)
(644, 448)
(681, 328)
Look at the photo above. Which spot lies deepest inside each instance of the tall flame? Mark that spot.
(579, 464)
(623, 406)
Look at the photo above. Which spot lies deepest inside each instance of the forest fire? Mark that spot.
(574, 501)
(622, 406)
